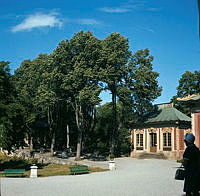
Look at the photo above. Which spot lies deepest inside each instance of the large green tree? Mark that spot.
(81, 82)
(11, 122)
(25, 78)
(47, 99)
(101, 137)
(63, 88)
(39, 86)
(189, 84)
(141, 84)
(85, 48)
(114, 57)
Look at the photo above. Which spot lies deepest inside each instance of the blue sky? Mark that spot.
(168, 28)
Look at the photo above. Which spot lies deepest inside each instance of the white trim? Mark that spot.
(157, 137)
(193, 123)
(172, 139)
(148, 142)
(134, 139)
(161, 140)
(144, 140)
(177, 139)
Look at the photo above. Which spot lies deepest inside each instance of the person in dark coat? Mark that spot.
(191, 163)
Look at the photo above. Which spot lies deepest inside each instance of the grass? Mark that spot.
(58, 170)
(44, 170)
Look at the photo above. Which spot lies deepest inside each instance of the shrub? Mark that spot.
(3, 157)
(111, 157)
(7, 162)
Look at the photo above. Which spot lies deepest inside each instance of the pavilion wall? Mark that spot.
(196, 128)
(177, 141)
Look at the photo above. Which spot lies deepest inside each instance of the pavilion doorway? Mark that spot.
(153, 142)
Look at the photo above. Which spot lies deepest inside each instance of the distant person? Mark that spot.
(191, 158)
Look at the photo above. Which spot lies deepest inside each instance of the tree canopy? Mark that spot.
(189, 84)
(58, 94)
(11, 119)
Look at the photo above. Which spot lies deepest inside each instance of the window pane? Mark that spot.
(164, 139)
(137, 140)
(169, 139)
(141, 139)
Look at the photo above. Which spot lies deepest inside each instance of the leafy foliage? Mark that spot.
(189, 84)
(11, 124)
(141, 83)
(115, 54)
(60, 93)
(101, 137)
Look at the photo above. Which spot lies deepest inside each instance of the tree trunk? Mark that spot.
(93, 120)
(52, 132)
(67, 136)
(114, 122)
(30, 138)
(79, 122)
(53, 142)
(79, 143)
(31, 143)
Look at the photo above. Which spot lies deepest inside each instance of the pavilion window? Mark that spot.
(139, 141)
(167, 141)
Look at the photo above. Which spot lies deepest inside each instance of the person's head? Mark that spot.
(189, 138)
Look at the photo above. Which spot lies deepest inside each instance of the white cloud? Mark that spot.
(153, 9)
(115, 9)
(126, 7)
(129, 7)
(88, 21)
(146, 29)
(38, 20)
(150, 30)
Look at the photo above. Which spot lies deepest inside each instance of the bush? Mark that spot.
(7, 162)
(3, 157)
(180, 161)
(111, 157)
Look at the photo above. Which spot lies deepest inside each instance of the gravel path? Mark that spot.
(131, 178)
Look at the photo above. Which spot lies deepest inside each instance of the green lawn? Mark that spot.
(44, 170)
(58, 170)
